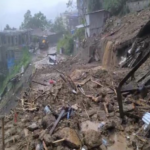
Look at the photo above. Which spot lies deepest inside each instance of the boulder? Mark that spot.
(71, 138)
(92, 138)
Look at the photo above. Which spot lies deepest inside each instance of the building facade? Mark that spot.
(11, 43)
(95, 22)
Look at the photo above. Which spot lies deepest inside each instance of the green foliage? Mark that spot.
(58, 25)
(80, 34)
(9, 28)
(67, 43)
(94, 5)
(114, 6)
(24, 62)
(37, 21)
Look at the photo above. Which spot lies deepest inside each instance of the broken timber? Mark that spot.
(130, 74)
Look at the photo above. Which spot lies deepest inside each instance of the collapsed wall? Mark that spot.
(119, 35)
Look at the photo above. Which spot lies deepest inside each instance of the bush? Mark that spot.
(114, 6)
(26, 58)
(94, 5)
(67, 43)
(80, 34)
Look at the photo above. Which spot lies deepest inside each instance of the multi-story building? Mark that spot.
(11, 43)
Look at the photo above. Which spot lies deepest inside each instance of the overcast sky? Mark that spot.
(12, 11)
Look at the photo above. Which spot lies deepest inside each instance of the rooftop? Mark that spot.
(14, 32)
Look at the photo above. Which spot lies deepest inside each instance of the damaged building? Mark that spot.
(118, 36)
(11, 44)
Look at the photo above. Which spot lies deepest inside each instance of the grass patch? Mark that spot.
(26, 58)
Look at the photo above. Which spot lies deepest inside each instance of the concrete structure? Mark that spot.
(137, 5)
(15, 37)
(95, 22)
(11, 43)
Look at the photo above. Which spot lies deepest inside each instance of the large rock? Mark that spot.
(71, 138)
(92, 138)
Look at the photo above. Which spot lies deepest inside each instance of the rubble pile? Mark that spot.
(124, 29)
(77, 112)
(80, 111)
(139, 48)
(74, 105)
(124, 36)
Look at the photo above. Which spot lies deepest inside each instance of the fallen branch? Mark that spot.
(96, 82)
(84, 82)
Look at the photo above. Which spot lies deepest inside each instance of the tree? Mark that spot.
(39, 20)
(72, 4)
(94, 5)
(114, 6)
(58, 25)
(7, 27)
(27, 17)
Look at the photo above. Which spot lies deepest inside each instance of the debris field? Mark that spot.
(74, 105)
